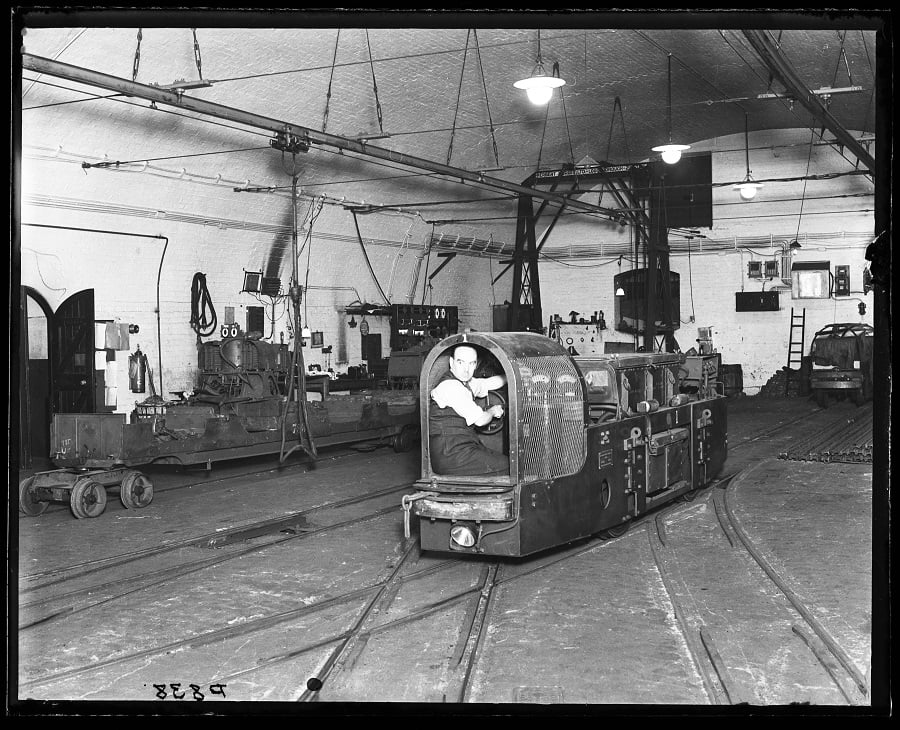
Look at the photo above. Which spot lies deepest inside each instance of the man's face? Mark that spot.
(463, 362)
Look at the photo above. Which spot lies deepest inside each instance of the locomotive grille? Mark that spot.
(552, 417)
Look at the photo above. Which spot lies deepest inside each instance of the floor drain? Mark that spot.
(538, 695)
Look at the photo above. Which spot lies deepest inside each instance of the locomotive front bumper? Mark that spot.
(459, 507)
(836, 379)
(456, 521)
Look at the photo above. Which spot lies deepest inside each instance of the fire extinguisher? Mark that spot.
(137, 371)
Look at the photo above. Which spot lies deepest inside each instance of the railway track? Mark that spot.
(790, 659)
(337, 640)
(375, 617)
(119, 586)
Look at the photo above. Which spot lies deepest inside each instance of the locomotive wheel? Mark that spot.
(137, 490)
(27, 502)
(88, 498)
(404, 440)
(616, 531)
(493, 398)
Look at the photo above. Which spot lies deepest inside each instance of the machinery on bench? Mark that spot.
(238, 409)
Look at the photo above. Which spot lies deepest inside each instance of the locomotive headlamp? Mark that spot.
(462, 535)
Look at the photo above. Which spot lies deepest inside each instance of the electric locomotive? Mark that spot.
(592, 443)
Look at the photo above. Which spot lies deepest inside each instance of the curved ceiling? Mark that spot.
(441, 87)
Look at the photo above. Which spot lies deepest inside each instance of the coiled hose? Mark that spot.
(203, 313)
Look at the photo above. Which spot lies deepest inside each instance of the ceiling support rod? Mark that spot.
(782, 69)
(157, 94)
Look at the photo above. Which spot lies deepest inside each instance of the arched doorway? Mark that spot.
(56, 362)
(34, 385)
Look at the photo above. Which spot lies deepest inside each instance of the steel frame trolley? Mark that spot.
(84, 489)
(592, 443)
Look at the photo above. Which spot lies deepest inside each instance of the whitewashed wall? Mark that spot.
(205, 226)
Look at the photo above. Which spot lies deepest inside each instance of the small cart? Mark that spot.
(84, 490)
(87, 449)
(841, 355)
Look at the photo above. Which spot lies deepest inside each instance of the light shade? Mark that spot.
(748, 188)
(620, 292)
(539, 87)
(306, 333)
(671, 153)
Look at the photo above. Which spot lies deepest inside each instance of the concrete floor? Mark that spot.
(617, 623)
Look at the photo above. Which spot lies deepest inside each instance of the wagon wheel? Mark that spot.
(27, 502)
(136, 491)
(405, 439)
(616, 531)
(88, 498)
(493, 398)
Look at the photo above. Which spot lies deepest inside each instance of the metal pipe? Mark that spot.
(779, 66)
(47, 66)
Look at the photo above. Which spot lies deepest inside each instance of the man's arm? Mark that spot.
(455, 395)
(481, 386)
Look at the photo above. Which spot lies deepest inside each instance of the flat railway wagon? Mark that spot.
(592, 442)
(241, 409)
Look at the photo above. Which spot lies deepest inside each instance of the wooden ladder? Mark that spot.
(795, 346)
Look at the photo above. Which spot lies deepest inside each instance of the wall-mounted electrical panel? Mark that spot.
(413, 324)
(754, 269)
(841, 281)
(756, 301)
(771, 270)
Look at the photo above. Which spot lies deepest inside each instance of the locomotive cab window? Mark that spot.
(602, 390)
(467, 413)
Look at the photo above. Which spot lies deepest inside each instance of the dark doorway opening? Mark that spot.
(56, 362)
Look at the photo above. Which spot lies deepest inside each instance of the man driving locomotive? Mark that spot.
(455, 446)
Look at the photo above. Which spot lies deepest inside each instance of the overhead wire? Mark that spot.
(487, 102)
(56, 55)
(462, 73)
(786, 103)
(116, 163)
(368, 262)
(385, 59)
(330, 79)
(803, 194)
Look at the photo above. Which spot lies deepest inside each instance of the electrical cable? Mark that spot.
(487, 102)
(427, 263)
(203, 313)
(116, 163)
(405, 57)
(330, 79)
(462, 73)
(368, 263)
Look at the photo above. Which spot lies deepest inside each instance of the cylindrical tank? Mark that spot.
(232, 352)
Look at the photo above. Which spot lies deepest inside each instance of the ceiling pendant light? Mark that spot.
(539, 86)
(670, 152)
(748, 188)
